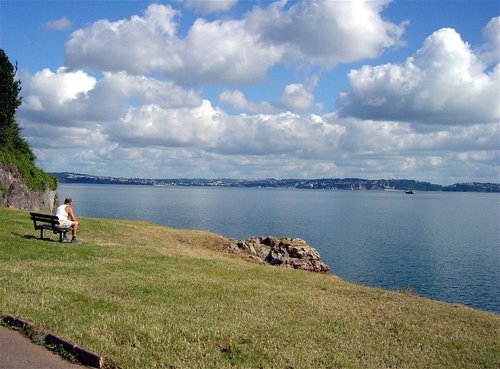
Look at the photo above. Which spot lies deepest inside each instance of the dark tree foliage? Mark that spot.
(10, 100)
(15, 152)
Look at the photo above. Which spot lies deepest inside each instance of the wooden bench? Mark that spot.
(49, 222)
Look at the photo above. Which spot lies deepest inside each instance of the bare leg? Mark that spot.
(75, 228)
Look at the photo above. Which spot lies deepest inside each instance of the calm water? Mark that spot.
(444, 246)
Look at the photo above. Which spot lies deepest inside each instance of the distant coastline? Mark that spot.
(352, 184)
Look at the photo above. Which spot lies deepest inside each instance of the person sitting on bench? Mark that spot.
(67, 217)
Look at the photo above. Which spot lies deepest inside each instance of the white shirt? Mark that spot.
(61, 212)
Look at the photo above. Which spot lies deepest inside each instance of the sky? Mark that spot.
(373, 89)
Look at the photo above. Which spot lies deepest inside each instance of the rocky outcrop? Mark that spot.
(283, 251)
(15, 194)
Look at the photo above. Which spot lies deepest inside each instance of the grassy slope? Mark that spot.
(148, 296)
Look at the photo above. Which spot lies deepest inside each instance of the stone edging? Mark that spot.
(83, 356)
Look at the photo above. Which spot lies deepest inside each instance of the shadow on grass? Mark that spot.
(32, 237)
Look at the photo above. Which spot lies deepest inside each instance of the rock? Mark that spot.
(15, 194)
(283, 251)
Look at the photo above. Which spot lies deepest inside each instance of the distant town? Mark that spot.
(352, 184)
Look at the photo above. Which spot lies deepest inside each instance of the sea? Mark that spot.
(439, 245)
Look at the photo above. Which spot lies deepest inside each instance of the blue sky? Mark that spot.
(254, 89)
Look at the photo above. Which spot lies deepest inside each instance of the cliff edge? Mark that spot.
(14, 193)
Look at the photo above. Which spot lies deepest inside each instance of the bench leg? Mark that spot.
(41, 233)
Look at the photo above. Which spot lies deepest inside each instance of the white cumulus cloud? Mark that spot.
(297, 97)
(61, 86)
(443, 83)
(121, 104)
(151, 125)
(327, 32)
(138, 45)
(218, 51)
(234, 50)
(490, 50)
(224, 51)
(73, 99)
(237, 100)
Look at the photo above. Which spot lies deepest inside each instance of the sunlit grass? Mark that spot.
(148, 296)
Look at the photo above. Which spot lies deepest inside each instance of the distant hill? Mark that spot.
(473, 187)
(323, 183)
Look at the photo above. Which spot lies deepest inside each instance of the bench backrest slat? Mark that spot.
(44, 218)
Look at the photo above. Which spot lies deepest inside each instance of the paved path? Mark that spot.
(18, 352)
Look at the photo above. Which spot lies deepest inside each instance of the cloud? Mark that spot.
(151, 125)
(278, 134)
(489, 52)
(139, 45)
(223, 51)
(126, 103)
(207, 7)
(237, 100)
(74, 98)
(52, 97)
(61, 86)
(443, 83)
(233, 50)
(205, 141)
(297, 97)
(117, 122)
(218, 51)
(327, 32)
(58, 24)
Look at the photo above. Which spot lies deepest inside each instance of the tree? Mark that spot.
(15, 152)
(10, 100)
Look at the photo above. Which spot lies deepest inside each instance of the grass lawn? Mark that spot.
(149, 296)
